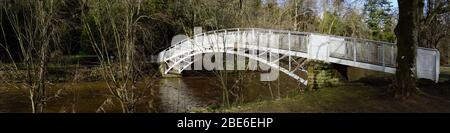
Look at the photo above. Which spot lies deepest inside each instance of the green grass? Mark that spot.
(360, 96)
(350, 98)
(445, 70)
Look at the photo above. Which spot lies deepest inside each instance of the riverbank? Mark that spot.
(366, 95)
(351, 98)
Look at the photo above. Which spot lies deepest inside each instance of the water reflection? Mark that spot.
(176, 97)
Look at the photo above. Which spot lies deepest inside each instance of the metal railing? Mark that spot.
(240, 38)
(365, 51)
(353, 49)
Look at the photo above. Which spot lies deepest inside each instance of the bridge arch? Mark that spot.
(181, 67)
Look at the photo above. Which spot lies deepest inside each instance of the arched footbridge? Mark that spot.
(292, 48)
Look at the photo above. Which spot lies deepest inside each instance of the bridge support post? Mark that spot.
(342, 70)
(321, 74)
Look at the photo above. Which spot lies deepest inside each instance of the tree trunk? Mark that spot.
(407, 31)
(40, 99)
(296, 25)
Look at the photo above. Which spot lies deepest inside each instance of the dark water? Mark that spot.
(186, 94)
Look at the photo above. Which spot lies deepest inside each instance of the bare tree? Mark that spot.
(113, 37)
(35, 26)
(435, 23)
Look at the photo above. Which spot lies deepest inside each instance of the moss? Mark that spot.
(321, 74)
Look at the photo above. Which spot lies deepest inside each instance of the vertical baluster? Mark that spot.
(393, 57)
(289, 48)
(225, 41)
(382, 50)
(308, 41)
(216, 38)
(203, 41)
(368, 52)
(253, 40)
(354, 49)
(238, 40)
(269, 35)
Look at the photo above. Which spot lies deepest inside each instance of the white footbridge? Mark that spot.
(292, 49)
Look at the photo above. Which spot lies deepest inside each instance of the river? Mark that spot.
(186, 94)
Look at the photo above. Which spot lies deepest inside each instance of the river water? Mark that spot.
(187, 94)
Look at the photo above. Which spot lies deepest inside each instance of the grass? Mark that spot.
(350, 98)
(360, 96)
